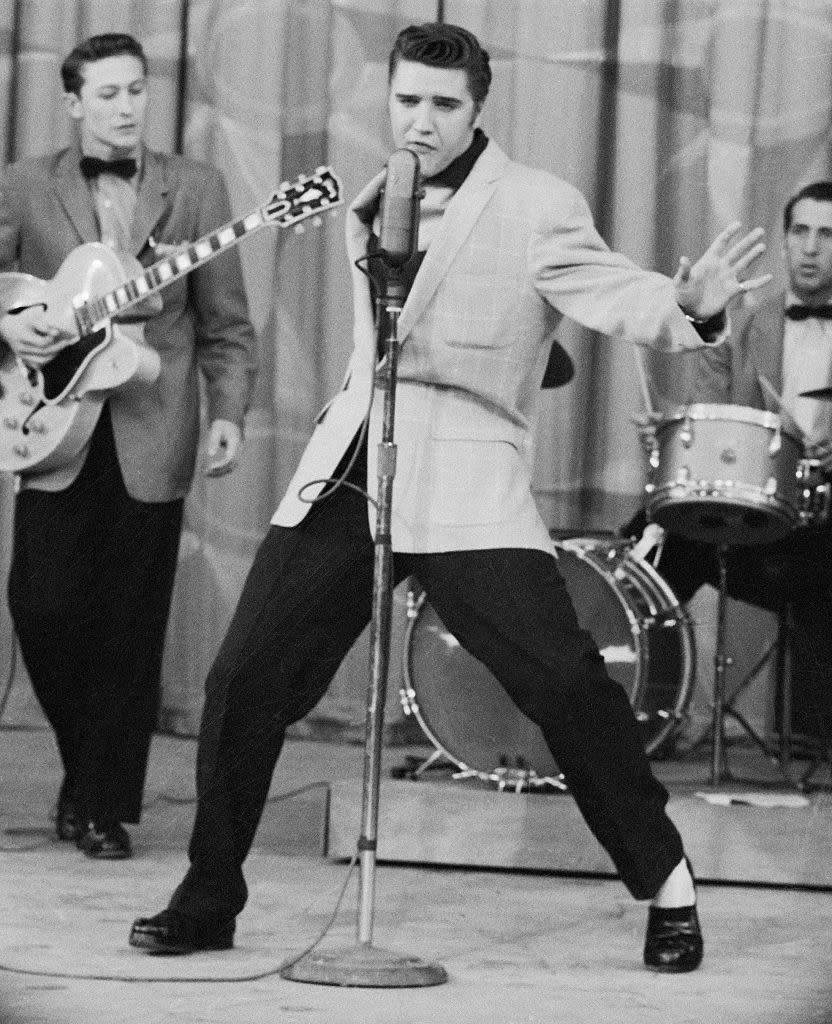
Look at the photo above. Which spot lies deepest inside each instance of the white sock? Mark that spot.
(677, 890)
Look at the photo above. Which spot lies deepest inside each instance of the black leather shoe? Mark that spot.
(66, 820)
(173, 934)
(674, 939)
(105, 842)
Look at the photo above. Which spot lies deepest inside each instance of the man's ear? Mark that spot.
(74, 106)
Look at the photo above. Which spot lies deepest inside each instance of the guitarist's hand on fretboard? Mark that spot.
(31, 336)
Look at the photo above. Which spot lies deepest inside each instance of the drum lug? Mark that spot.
(771, 486)
(414, 603)
(686, 433)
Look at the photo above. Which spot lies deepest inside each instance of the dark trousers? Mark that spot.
(797, 569)
(89, 592)
(307, 598)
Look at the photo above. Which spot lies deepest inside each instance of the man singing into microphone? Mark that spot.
(503, 252)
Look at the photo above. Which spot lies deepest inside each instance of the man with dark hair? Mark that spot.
(110, 44)
(503, 252)
(96, 538)
(786, 341)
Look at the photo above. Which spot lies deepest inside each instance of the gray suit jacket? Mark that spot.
(46, 211)
(515, 252)
(730, 374)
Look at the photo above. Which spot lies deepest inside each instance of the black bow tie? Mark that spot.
(804, 312)
(91, 167)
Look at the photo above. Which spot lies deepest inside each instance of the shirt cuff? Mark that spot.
(710, 330)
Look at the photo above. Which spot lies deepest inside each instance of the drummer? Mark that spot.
(788, 341)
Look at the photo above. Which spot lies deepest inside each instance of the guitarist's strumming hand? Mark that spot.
(225, 440)
(32, 337)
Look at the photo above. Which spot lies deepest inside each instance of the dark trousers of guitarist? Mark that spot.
(89, 592)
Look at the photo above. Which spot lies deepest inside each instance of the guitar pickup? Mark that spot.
(27, 399)
(11, 423)
(21, 451)
(38, 427)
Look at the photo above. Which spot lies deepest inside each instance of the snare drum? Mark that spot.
(726, 474)
(643, 635)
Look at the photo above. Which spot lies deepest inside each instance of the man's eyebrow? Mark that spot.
(141, 80)
(436, 97)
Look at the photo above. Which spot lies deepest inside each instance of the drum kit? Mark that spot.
(732, 475)
(725, 474)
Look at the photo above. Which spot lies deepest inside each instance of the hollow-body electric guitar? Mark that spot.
(47, 415)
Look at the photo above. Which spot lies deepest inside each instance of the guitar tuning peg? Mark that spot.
(299, 229)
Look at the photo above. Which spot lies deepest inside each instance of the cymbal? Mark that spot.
(817, 393)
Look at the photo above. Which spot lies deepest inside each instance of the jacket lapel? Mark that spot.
(459, 219)
(150, 201)
(74, 195)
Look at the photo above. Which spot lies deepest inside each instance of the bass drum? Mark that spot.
(642, 633)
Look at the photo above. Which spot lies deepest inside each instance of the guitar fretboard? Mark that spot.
(166, 270)
(307, 196)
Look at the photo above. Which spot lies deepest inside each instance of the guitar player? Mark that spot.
(96, 540)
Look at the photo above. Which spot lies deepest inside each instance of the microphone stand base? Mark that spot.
(364, 966)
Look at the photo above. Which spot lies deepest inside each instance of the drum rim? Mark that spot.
(651, 581)
(651, 587)
(513, 778)
(727, 411)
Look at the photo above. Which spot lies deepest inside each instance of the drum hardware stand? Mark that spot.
(365, 965)
(723, 706)
(824, 759)
(517, 778)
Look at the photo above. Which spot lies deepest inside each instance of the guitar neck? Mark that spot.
(167, 270)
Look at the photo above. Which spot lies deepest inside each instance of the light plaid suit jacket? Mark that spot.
(516, 251)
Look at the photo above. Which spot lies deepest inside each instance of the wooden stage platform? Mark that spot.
(751, 829)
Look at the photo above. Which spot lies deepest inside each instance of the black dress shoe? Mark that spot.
(107, 841)
(674, 939)
(66, 820)
(173, 934)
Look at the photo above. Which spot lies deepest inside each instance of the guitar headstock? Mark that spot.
(308, 196)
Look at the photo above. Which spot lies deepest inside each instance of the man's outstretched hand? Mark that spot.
(705, 287)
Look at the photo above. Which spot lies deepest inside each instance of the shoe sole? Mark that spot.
(151, 945)
(672, 970)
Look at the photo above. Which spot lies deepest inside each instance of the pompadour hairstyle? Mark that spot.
(444, 46)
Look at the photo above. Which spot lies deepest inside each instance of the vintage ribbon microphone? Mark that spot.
(364, 964)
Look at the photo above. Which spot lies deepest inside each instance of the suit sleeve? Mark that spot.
(9, 226)
(574, 270)
(712, 382)
(226, 348)
(9, 239)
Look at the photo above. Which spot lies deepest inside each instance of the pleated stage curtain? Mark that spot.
(672, 116)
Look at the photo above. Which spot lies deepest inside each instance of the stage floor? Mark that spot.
(518, 946)
(751, 827)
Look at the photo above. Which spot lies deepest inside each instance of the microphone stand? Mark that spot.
(365, 965)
